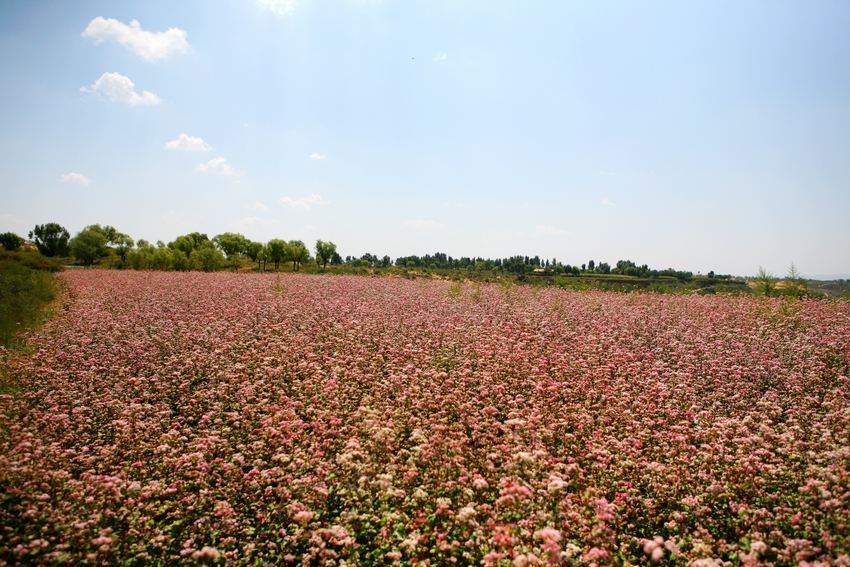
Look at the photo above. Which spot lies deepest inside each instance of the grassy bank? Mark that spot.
(26, 287)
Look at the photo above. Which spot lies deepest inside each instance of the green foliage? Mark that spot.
(765, 282)
(120, 242)
(51, 239)
(232, 244)
(794, 285)
(207, 258)
(276, 250)
(11, 241)
(89, 245)
(325, 251)
(24, 291)
(297, 253)
(189, 243)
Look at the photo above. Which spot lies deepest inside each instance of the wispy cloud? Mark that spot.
(606, 202)
(308, 202)
(187, 143)
(150, 46)
(441, 57)
(119, 88)
(318, 156)
(550, 230)
(74, 178)
(258, 206)
(253, 222)
(278, 7)
(216, 165)
(422, 224)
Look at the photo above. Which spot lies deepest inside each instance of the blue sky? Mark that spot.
(698, 135)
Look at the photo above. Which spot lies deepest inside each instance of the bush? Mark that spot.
(24, 290)
(11, 241)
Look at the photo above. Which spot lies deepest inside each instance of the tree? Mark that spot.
(11, 241)
(122, 243)
(276, 250)
(254, 251)
(189, 243)
(232, 244)
(51, 239)
(591, 265)
(297, 253)
(794, 283)
(324, 252)
(89, 245)
(207, 258)
(765, 282)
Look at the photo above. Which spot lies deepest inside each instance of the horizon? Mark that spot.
(710, 137)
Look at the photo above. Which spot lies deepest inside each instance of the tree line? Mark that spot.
(197, 251)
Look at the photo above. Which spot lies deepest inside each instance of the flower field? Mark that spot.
(251, 418)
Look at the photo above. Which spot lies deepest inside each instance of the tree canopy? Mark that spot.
(51, 239)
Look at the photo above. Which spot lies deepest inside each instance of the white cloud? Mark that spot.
(248, 222)
(217, 165)
(118, 88)
(150, 46)
(318, 156)
(441, 57)
(422, 224)
(188, 143)
(550, 230)
(307, 202)
(258, 206)
(278, 7)
(608, 202)
(75, 178)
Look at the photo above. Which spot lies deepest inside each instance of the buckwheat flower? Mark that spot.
(207, 553)
(555, 484)
(548, 535)
(303, 517)
(594, 554)
(466, 513)
(524, 560)
(525, 457)
(479, 483)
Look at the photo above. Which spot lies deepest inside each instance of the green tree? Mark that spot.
(51, 239)
(207, 258)
(765, 282)
(297, 253)
(11, 241)
(89, 245)
(122, 243)
(325, 251)
(277, 251)
(254, 251)
(189, 243)
(162, 258)
(794, 283)
(232, 244)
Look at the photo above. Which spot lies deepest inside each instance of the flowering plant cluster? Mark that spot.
(224, 418)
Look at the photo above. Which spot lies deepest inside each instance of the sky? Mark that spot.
(696, 135)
